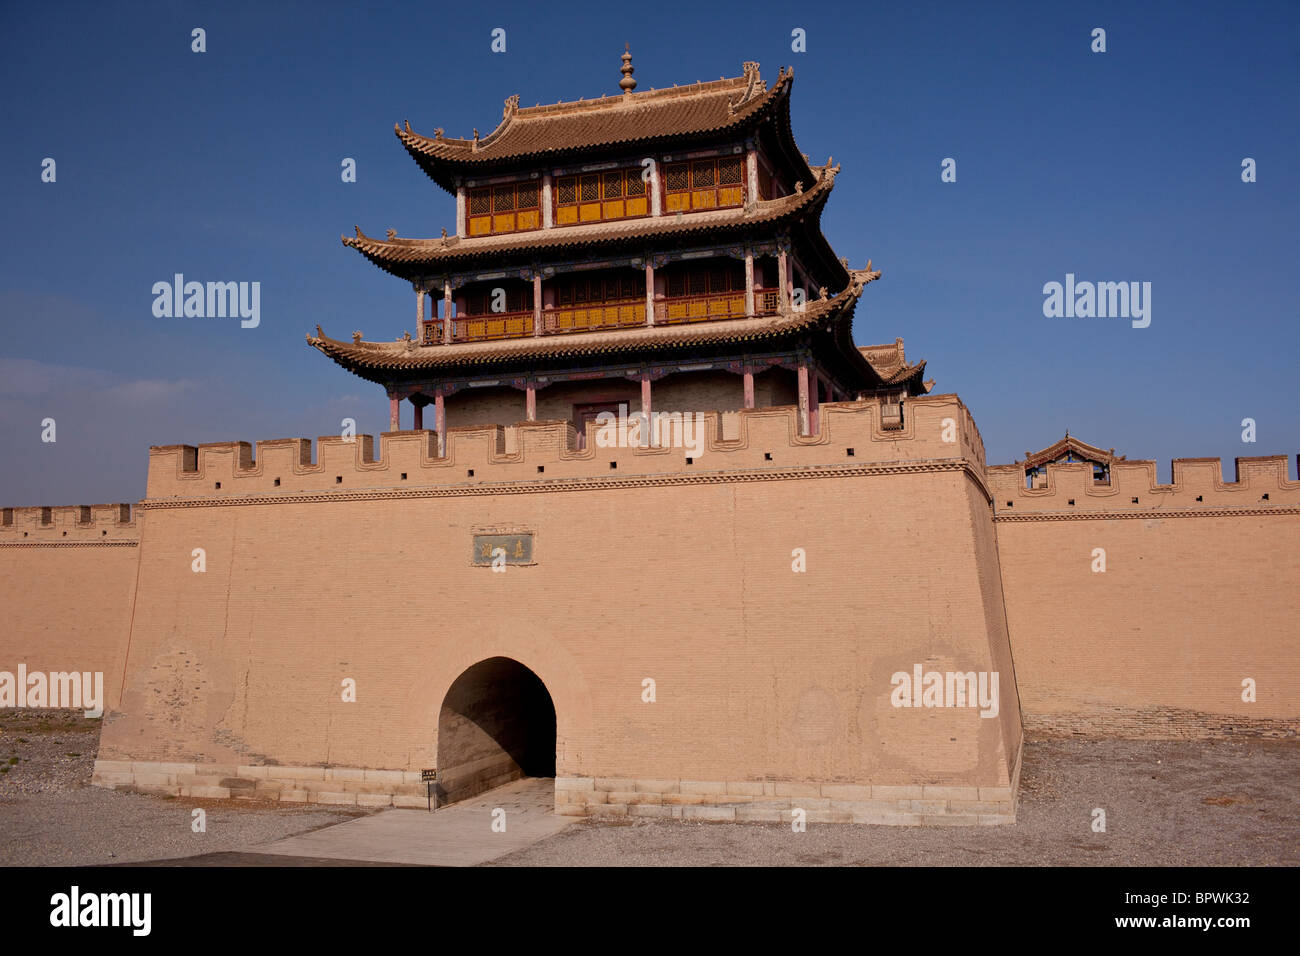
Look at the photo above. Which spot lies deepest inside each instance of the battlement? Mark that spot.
(68, 524)
(1261, 483)
(850, 434)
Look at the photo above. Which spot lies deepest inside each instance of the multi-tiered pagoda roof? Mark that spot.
(647, 235)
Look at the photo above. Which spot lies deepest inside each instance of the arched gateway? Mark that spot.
(497, 724)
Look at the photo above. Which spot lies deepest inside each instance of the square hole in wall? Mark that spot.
(613, 465)
(1010, 505)
(850, 451)
(217, 486)
(1071, 501)
(690, 460)
(767, 456)
(338, 479)
(277, 482)
(103, 532)
(470, 473)
(1265, 498)
(540, 469)
(1135, 501)
(403, 476)
(1200, 498)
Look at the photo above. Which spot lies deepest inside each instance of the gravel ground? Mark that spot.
(1167, 803)
(50, 815)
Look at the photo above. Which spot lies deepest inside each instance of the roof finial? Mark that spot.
(627, 84)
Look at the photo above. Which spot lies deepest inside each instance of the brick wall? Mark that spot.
(67, 576)
(1198, 594)
(651, 569)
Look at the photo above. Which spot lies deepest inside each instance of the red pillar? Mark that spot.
(394, 413)
(530, 403)
(419, 414)
(645, 394)
(749, 388)
(803, 398)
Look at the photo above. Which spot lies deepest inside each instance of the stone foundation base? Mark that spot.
(765, 802)
(722, 801)
(333, 785)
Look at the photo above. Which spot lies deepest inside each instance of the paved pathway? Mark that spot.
(458, 835)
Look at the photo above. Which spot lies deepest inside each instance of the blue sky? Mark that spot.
(1122, 166)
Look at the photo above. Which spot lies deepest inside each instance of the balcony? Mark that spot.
(597, 316)
(497, 325)
(619, 314)
(720, 305)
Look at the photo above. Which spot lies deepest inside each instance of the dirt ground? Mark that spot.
(1167, 803)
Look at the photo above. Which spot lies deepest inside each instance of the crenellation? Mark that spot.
(68, 524)
(765, 438)
(1197, 485)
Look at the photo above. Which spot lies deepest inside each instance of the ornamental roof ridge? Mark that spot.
(718, 109)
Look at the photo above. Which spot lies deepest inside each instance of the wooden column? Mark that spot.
(537, 303)
(751, 173)
(548, 214)
(394, 413)
(783, 280)
(656, 203)
(645, 394)
(649, 293)
(460, 210)
(419, 311)
(530, 403)
(419, 414)
(446, 312)
(440, 422)
(803, 398)
(749, 284)
(749, 388)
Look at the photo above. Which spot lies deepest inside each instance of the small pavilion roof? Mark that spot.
(890, 363)
(650, 117)
(386, 361)
(1069, 443)
(408, 257)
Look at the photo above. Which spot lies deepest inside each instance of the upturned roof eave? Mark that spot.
(445, 159)
(403, 258)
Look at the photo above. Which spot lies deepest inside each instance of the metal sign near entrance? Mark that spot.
(430, 778)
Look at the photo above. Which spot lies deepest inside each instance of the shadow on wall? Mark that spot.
(497, 724)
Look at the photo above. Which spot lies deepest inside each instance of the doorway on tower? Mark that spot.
(497, 724)
(588, 412)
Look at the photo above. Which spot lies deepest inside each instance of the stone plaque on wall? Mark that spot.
(517, 548)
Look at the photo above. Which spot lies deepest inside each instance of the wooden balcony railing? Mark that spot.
(700, 308)
(596, 315)
(496, 325)
(625, 313)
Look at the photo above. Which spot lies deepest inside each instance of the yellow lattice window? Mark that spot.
(704, 184)
(501, 209)
(591, 198)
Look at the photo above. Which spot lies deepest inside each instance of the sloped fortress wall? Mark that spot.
(773, 589)
(67, 576)
(1139, 609)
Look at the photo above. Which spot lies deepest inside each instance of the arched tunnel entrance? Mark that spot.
(497, 724)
